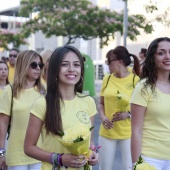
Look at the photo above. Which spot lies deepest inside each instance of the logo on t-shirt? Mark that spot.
(129, 86)
(83, 117)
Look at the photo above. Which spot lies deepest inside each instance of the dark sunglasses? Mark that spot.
(34, 65)
(109, 61)
(12, 55)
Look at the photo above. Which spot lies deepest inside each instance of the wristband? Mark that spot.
(60, 159)
(51, 161)
(129, 115)
(2, 153)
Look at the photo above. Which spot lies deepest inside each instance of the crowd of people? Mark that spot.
(41, 97)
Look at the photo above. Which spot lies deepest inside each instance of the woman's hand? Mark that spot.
(106, 122)
(120, 116)
(72, 161)
(94, 158)
(2, 163)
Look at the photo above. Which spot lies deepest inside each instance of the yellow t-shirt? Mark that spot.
(78, 110)
(20, 115)
(1, 90)
(156, 126)
(121, 129)
(11, 73)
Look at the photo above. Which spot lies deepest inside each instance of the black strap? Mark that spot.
(9, 125)
(108, 80)
(110, 76)
(134, 81)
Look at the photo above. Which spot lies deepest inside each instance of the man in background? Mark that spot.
(12, 60)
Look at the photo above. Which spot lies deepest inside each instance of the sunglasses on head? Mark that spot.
(34, 65)
(12, 55)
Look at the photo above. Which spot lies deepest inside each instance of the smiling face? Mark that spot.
(70, 70)
(162, 56)
(34, 73)
(3, 71)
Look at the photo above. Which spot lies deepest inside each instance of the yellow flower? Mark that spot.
(77, 131)
(145, 166)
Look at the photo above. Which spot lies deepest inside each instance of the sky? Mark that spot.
(5, 4)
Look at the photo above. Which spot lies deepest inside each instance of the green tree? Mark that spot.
(78, 19)
(7, 37)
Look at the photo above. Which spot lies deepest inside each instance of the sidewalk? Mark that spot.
(98, 85)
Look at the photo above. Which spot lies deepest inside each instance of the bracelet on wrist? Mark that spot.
(129, 115)
(2, 153)
(56, 160)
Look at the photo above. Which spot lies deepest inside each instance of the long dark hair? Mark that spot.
(53, 120)
(149, 70)
(3, 62)
(122, 54)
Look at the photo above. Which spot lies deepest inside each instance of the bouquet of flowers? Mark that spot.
(76, 140)
(141, 165)
(122, 101)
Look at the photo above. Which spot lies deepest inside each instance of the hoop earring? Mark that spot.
(81, 81)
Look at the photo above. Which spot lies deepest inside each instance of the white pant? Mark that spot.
(108, 150)
(36, 166)
(157, 163)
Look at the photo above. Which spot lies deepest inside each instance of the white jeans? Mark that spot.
(108, 150)
(36, 166)
(158, 163)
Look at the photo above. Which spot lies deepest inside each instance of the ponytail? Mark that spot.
(136, 66)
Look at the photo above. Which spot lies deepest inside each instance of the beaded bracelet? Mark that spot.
(56, 160)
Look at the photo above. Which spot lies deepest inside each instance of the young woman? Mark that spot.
(4, 70)
(26, 88)
(150, 108)
(63, 107)
(114, 108)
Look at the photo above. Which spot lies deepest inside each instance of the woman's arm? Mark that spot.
(30, 148)
(4, 121)
(137, 119)
(105, 121)
(92, 132)
(94, 157)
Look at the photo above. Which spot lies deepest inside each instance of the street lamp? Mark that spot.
(125, 22)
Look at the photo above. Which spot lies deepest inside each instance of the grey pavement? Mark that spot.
(117, 160)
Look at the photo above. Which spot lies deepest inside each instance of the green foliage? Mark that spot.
(7, 37)
(78, 19)
(78, 139)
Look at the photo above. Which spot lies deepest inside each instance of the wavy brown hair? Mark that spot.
(53, 120)
(149, 70)
(23, 62)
